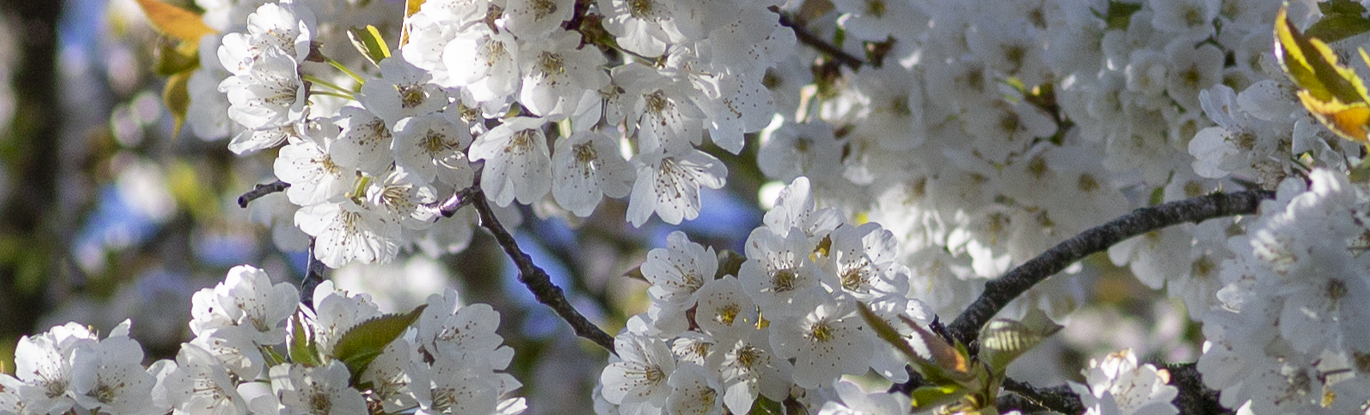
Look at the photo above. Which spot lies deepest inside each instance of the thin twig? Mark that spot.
(537, 280)
(261, 189)
(808, 38)
(461, 198)
(998, 293)
(313, 276)
(1057, 398)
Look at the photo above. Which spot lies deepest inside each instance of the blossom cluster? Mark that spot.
(525, 90)
(977, 134)
(450, 361)
(1117, 385)
(992, 131)
(1287, 334)
(784, 325)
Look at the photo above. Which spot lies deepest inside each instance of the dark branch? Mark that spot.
(537, 280)
(461, 198)
(1026, 397)
(1194, 397)
(998, 293)
(261, 189)
(313, 276)
(808, 38)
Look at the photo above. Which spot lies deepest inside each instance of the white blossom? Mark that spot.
(585, 167)
(668, 183)
(517, 163)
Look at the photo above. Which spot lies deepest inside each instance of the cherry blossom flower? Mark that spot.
(585, 167)
(517, 163)
(826, 340)
(668, 184)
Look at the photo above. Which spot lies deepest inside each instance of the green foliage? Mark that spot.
(300, 345)
(1341, 19)
(173, 58)
(954, 381)
(360, 345)
(764, 406)
(176, 60)
(368, 41)
(729, 263)
(1002, 341)
(1119, 14)
(176, 95)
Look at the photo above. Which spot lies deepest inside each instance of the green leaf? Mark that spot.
(174, 21)
(939, 362)
(368, 41)
(1003, 340)
(172, 59)
(270, 356)
(1337, 27)
(1157, 196)
(936, 395)
(764, 406)
(729, 263)
(636, 273)
(1361, 173)
(360, 345)
(1335, 7)
(1119, 14)
(889, 335)
(1340, 19)
(176, 95)
(300, 343)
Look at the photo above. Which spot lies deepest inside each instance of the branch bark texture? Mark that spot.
(998, 293)
(537, 280)
(261, 189)
(808, 38)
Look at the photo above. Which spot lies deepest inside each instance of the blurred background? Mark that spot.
(107, 215)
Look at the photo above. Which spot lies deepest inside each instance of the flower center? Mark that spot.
(543, 8)
(784, 280)
(410, 95)
(821, 331)
(727, 314)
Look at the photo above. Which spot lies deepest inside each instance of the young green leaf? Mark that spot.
(936, 395)
(1340, 19)
(729, 263)
(368, 41)
(300, 345)
(635, 273)
(173, 58)
(174, 21)
(764, 406)
(176, 95)
(360, 345)
(1003, 340)
(938, 361)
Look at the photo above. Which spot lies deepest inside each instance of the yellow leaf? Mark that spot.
(1333, 93)
(174, 21)
(1347, 120)
(410, 7)
(176, 95)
